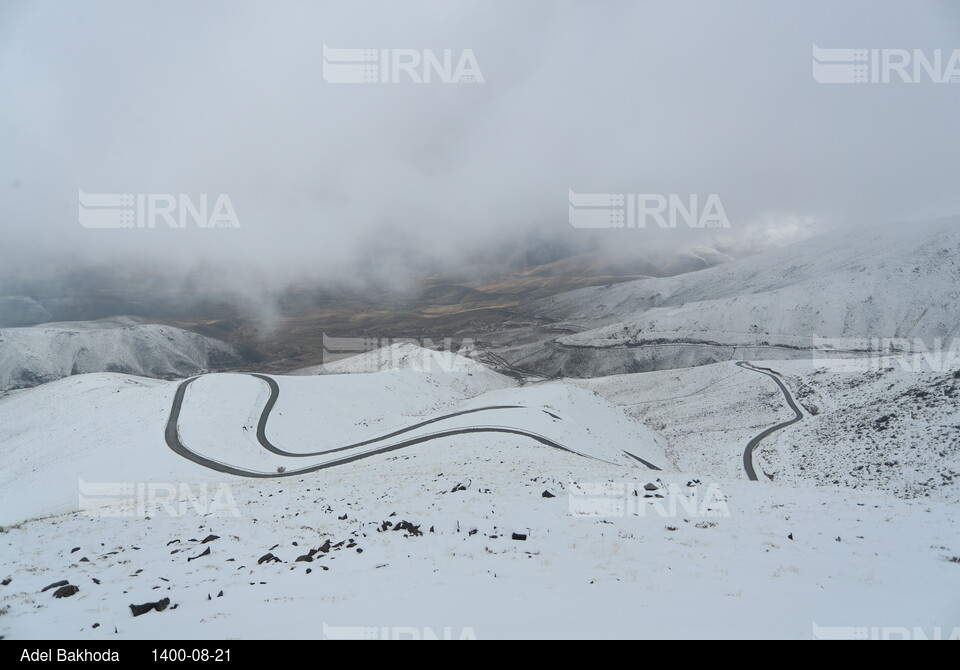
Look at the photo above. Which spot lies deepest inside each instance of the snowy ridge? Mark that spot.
(890, 281)
(41, 354)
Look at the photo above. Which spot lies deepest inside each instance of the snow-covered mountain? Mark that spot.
(473, 534)
(36, 355)
(889, 430)
(890, 281)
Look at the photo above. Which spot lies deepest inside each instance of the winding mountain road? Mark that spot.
(172, 436)
(748, 452)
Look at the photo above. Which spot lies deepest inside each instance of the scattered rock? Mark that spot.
(159, 606)
(220, 595)
(62, 582)
(790, 536)
(267, 558)
(520, 536)
(66, 591)
(205, 552)
(411, 530)
(547, 494)
(75, 550)
(209, 538)
(6, 581)
(651, 487)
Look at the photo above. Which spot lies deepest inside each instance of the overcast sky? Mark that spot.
(635, 97)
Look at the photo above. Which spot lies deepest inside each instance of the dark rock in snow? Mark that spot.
(62, 582)
(267, 558)
(205, 552)
(547, 494)
(520, 536)
(409, 528)
(66, 591)
(159, 606)
(209, 538)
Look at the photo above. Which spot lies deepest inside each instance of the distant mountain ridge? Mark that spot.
(41, 354)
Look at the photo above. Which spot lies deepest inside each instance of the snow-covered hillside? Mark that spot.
(466, 544)
(890, 430)
(890, 281)
(475, 534)
(41, 354)
(111, 427)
